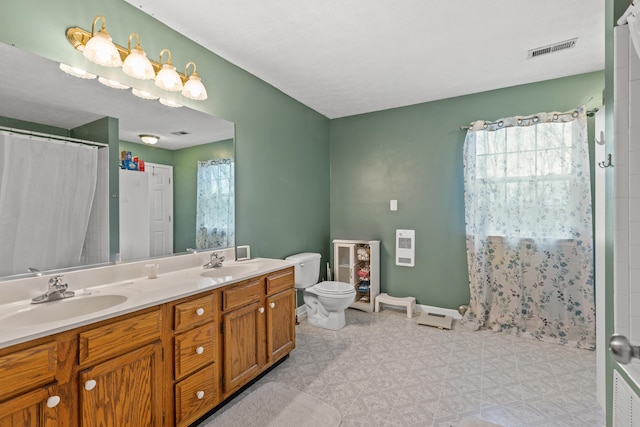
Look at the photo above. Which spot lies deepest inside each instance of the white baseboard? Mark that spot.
(301, 311)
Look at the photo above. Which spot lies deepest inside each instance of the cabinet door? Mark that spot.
(37, 408)
(243, 344)
(125, 390)
(280, 325)
(343, 262)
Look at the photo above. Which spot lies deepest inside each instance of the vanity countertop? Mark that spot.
(21, 321)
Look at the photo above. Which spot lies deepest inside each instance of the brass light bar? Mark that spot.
(79, 37)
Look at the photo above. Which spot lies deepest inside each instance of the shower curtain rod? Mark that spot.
(53, 137)
(590, 113)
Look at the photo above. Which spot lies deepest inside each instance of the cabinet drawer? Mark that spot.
(192, 312)
(25, 369)
(241, 294)
(196, 395)
(115, 338)
(194, 349)
(280, 281)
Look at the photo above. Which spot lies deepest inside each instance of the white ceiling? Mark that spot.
(346, 57)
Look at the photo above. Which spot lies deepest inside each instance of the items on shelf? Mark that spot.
(363, 287)
(129, 162)
(362, 254)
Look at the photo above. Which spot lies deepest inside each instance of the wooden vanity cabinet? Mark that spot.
(196, 377)
(160, 366)
(258, 326)
(120, 372)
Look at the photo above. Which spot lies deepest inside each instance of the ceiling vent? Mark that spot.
(179, 133)
(567, 44)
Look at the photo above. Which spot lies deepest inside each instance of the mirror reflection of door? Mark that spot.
(161, 208)
(146, 212)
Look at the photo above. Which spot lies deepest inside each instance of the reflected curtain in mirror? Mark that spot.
(215, 212)
(47, 191)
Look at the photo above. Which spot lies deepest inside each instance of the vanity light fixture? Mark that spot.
(77, 72)
(168, 78)
(143, 94)
(170, 103)
(136, 64)
(112, 83)
(100, 49)
(193, 87)
(149, 139)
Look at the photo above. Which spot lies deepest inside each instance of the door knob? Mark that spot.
(261, 309)
(622, 349)
(200, 311)
(90, 385)
(200, 350)
(272, 305)
(200, 394)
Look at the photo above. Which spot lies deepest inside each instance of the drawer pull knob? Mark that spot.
(200, 394)
(272, 305)
(90, 385)
(261, 310)
(200, 350)
(200, 311)
(53, 401)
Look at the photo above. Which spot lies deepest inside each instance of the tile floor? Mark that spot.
(383, 369)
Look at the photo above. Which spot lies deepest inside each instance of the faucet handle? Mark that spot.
(56, 282)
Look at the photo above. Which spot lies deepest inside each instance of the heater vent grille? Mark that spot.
(567, 44)
(626, 406)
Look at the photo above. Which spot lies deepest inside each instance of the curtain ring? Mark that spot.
(574, 114)
(535, 119)
(555, 116)
(519, 121)
(500, 123)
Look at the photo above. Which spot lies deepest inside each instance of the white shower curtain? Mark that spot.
(529, 229)
(46, 192)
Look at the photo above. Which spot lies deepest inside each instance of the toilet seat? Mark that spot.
(334, 288)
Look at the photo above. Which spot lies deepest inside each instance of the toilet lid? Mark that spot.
(334, 288)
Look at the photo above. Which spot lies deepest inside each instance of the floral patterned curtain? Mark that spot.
(215, 211)
(529, 230)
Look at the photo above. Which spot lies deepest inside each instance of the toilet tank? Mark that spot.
(307, 268)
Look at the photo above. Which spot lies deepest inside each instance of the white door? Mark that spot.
(134, 217)
(160, 208)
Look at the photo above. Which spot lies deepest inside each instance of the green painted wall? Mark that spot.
(282, 146)
(414, 155)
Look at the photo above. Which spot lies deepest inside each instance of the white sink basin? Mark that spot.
(233, 270)
(54, 311)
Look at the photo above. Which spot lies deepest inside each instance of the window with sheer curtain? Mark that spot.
(215, 212)
(529, 227)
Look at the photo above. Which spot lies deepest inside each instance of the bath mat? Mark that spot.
(275, 405)
(474, 422)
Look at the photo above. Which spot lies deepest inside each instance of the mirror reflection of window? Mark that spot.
(215, 213)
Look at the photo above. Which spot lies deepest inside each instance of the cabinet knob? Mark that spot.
(90, 385)
(261, 310)
(200, 350)
(272, 305)
(53, 401)
(200, 311)
(200, 394)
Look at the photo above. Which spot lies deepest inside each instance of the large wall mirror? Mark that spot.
(38, 97)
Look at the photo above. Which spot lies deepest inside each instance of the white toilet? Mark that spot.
(325, 301)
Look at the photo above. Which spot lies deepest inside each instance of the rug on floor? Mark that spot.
(474, 422)
(275, 405)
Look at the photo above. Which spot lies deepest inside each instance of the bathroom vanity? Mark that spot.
(179, 346)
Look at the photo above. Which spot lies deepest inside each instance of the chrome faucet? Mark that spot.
(57, 290)
(216, 260)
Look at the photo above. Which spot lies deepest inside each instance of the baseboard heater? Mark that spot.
(440, 321)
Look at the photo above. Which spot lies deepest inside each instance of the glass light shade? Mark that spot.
(169, 79)
(137, 65)
(77, 72)
(149, 139)
(144, 95)
(194, 89)
(112, 83)
(101, 50)
(170, 103)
